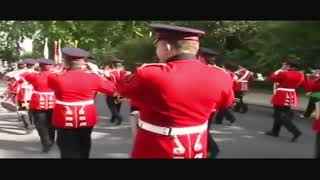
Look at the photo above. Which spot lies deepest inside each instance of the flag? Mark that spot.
(46, 49)
(55, 52)
(59, 51)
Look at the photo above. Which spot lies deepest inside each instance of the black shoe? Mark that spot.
(118, 122)
(232, 121)
(270, 133)
(112, 120)
(236, 108)
(213, 155)
(295, 137)
(46, 148)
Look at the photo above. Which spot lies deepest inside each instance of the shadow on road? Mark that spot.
(6, 127)
(9, 120)
(10, 132)
(25, 146)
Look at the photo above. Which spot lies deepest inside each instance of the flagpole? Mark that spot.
(55, 52)
(46, 49)
(59, 51)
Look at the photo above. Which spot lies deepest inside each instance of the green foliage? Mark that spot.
(136, 50)
(34, 54)
(261, 45)
(104, 55)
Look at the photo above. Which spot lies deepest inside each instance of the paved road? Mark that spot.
(244, 139)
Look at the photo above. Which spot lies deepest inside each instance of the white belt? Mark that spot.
(286, 89)
(317, 110)
(172, 131)
(43, 93)
(243, 81)
(133, 113)
(78, 103)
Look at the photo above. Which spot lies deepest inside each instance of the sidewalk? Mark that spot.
(264, 99)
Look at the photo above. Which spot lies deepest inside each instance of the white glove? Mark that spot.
(94, 68)
(106, 74)
(278, 71)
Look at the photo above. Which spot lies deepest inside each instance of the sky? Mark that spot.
(26, 45)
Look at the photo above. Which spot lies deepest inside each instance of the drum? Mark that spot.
(243, 85)
(9, 103)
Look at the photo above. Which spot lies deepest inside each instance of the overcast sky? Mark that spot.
(26, 45)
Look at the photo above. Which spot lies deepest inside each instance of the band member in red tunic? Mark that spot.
(114, 103)
(312, 85)
(25, 90)
(74, 114)
(311, 104)
(175, 96)
(42, 103)
(285, 97)
(207, 56)
(10, 95)
(134, 109)
(227, 112)
(245, 80)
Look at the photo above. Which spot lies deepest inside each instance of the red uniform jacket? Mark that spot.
(43, 97)
(313, 85)
(13, 86)
(245, 79)
(182, 93)
(179, 93)
(117, 74)
(25, 89)
(234, 79)
(288, 81)
(133, 102)
(235, 85)
(75, 91)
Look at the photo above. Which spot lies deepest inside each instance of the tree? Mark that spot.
(11, 34)
(260, 44)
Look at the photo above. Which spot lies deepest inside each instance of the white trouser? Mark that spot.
(134, 116)
(317, 110)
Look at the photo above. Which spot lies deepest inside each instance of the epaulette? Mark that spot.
(58, 72)
(238, 71)
(217, 67)
(152, 64)
(128, 78)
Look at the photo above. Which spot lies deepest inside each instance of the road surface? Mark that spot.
(244, 139)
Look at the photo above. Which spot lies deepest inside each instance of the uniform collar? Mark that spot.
(75, 69)
(182, 56)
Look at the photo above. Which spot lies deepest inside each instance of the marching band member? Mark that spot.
(24, 94)
(285, 97)
(42, 103)
(245, 80)
(74, 114)
(312, 85)
(173, 120)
